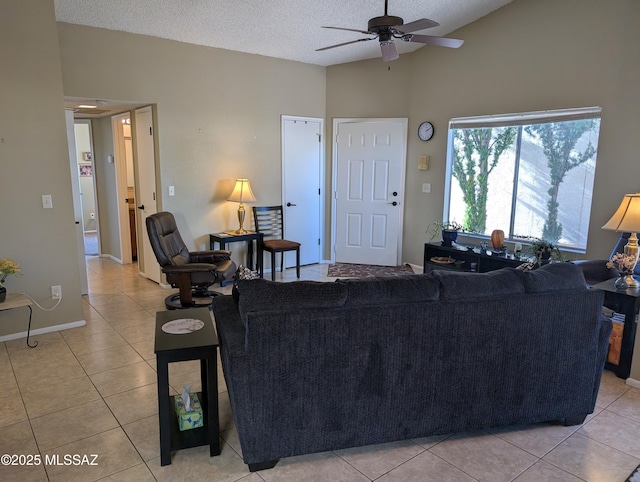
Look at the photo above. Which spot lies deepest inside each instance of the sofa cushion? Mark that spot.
(554, 277)
(463, 286)
(242, 273)
(265, 295)
(400, 289)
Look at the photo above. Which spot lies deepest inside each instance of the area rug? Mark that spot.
(635, 477)
(348, 270)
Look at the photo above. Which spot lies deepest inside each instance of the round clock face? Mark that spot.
(425, 131)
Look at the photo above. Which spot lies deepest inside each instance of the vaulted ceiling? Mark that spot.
(286, 29)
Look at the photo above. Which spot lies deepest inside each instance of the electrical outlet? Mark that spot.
(426, 187)
(172, 191)
(56, 292)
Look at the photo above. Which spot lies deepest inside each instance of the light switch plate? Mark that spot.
(426, 187)
(47, 202)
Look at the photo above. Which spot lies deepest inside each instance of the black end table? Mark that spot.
(626, 302)
(199, 345)
(249, 237)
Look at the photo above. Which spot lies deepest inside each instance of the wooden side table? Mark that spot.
(626, 302)
(198, 345)
(17, 300)
(249, 237)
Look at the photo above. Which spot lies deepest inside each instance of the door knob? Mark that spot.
(141, 207)
(290, 204)
(394, 193)
(394, 203)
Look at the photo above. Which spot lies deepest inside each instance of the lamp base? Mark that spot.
(631, 249)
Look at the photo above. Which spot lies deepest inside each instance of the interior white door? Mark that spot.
(146, 188)
(77, 204)
(370, 171)
(121, 186)
(301, 169)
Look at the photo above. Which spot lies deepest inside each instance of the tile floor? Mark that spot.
(92, 390)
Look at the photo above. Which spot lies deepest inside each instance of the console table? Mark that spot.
(483, 262)
(198, 345)
(16, 300)
(626, 302)
(249, 237)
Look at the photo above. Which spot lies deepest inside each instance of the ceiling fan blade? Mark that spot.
(351, 30)
(416, 25)
(344, 43)
(389, 51)
(453, 43)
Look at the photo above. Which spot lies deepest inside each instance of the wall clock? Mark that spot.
(425, 131)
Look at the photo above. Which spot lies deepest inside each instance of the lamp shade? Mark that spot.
(242, 192)
(627, 217)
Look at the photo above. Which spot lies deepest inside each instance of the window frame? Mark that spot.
(519, 120)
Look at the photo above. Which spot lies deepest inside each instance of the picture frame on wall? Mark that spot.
(86, 170)
(86, 156)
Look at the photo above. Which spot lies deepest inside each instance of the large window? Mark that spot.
(530, 175)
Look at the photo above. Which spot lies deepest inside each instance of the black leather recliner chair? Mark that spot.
(191, 272)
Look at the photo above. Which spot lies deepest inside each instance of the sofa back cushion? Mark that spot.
(264, 295)
(401, 289)
(456, 285)
(554, 277)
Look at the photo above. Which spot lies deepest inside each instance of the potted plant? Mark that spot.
(7, 267)
(544, 251)
(449, 230)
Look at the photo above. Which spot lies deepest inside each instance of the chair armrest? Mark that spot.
(189, 268)
(595, 270)
(212, 257)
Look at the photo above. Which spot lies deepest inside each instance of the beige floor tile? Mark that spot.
(114, 454)
(15, 440)
(45, 352)
(145, 436)
(95, 342)
(145, 349)
(196, 464)
(543, 472)
(139, 473)
(376, 460)
(426, 467)
(616, 431)
(8, 383)
(428, 442)
(484, 456)
(611, 388)
(34, 376)
(72, 424)
(538, 439)
(225, 415)
(591, 460)
(103, 360)
(124, 378)
(627, 405)
(11, 410)
(134, 404)
(231, 437)
(53, 398)
(94, 325)
(323, 466)
(140, 332)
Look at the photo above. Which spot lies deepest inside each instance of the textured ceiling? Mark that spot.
(286, 29)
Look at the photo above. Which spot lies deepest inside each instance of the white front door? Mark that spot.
(146, 188)
(369, 162)
(301, 170)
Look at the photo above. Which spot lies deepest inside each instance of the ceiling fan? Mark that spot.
(387, 28)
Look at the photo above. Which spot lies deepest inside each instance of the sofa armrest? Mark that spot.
(230, 327)
(595, 270)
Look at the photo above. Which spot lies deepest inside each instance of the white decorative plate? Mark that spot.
(182, 326)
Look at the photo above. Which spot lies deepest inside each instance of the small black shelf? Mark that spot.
(483, 262)
(186, 439)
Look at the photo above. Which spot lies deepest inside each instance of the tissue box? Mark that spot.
(192, 419)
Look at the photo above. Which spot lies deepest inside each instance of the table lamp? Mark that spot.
(241, 193)
(627, 219)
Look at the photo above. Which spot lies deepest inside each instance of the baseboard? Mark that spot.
(112, 258)
(633, 383)
(42, 331)
(416, 268)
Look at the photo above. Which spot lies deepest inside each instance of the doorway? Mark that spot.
(125, 186)
(87, 185)
(369, 177)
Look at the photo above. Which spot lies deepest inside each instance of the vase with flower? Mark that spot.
(7, 267)
(624, 264)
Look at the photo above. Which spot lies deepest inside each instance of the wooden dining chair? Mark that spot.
(269, 222)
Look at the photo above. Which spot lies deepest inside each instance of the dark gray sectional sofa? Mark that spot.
(313, 366)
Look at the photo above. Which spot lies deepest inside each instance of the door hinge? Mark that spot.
(154, 196)
(318, 191)
(318, 241)
(319, 137)
(150, 131)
